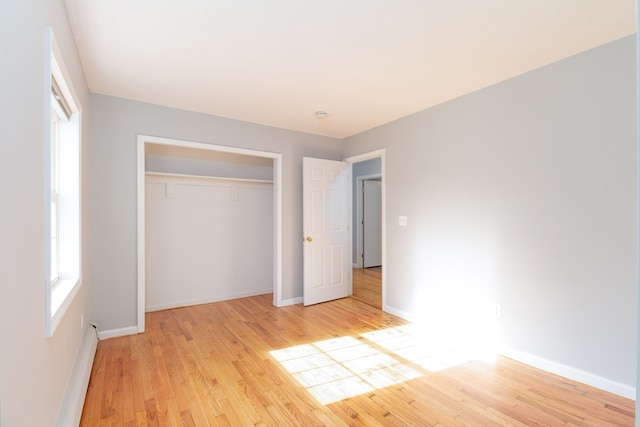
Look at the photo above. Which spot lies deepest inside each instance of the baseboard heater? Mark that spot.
(71, 410)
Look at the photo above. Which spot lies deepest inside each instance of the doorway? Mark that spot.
(368, 284)
(143, 141)
(370, 221)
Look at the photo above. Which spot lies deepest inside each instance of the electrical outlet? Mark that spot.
(402, 221)
(497, 310)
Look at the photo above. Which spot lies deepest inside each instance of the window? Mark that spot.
(63, 194)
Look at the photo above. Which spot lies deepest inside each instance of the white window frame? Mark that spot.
(54, 188)
(62, 192)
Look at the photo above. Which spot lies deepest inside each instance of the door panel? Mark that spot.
(372, 223)
(326, 196)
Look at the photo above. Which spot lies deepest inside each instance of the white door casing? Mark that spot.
(326, 226)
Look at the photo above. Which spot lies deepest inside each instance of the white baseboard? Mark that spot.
(113, 333)
(71, 410)
(548, 365)
(396, 312)
(291, 301)
(571, 373)
(188, 303)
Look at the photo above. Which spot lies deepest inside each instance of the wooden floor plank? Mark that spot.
(218, 364)
(367, 286)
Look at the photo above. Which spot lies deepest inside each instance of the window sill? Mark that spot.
(63, 291)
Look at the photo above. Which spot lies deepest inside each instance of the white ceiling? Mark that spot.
(366, 63)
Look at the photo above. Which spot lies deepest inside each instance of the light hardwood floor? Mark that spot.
(246, 363)
(367, 286)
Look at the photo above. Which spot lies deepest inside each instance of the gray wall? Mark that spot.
(638, 148)
(638, 157)
(115, 124)
(34, 370)
(525, 194)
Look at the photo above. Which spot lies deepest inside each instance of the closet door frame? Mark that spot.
(142, 141)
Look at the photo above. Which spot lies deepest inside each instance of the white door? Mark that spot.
(326, 205)
(372, 223)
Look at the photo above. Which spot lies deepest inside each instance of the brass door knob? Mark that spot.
(308, 239)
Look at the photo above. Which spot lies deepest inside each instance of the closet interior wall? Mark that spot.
(209, 226)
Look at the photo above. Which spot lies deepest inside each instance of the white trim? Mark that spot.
(207, 300)
(291, 301)
(179, 176)
(401, 314)
(359, 158)
(71, 410)
(142, 140)
(277, 231)
(571, 373)
(142, 253)
(62, 294)
(115, 333)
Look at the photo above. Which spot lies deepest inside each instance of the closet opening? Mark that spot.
(205, 212)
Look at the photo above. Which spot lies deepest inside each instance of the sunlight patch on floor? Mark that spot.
(348, 366)
(431, 356)
(339, 368)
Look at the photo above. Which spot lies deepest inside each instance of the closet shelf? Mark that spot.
(207, 177)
